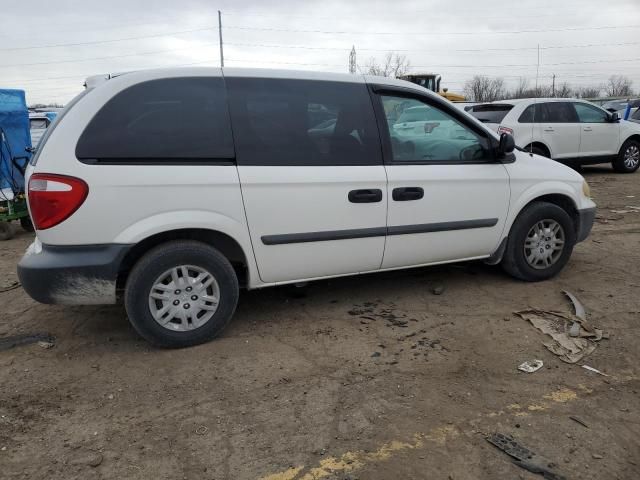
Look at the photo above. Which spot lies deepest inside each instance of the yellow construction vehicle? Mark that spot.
(431, 81)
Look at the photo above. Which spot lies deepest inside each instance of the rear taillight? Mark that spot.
(54, 198)
(502, 130)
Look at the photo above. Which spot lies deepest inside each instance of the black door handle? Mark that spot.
(405, 194)
(369, 195)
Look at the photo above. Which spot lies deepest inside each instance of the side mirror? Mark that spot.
(507, 144)
(614, 117)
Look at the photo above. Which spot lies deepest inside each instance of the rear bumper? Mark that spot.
(71, 275)
(586, 218)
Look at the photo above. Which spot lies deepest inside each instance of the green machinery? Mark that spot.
(15, 153)
(14, 209)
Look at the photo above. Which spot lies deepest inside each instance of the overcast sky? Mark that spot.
(49, 47)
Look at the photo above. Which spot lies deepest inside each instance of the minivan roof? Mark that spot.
(95, 80)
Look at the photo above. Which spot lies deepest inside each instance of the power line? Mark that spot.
(81, 77)
(124, 39)
(496, 32)
(83, 28)
(508, 65)
(390, 49)
(431, 11)
(156, 52)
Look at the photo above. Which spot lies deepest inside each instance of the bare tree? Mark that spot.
(588, 92)
(484, 89)
(564, 90)
(45, 105)
(521, 89)
(394, 65)
(618, 86)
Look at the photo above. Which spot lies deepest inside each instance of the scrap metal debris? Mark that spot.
(572, 336)
(12, 286)
(7, 343)
(579, 309)
(577, 420)
(530, 366)
(523, 457)
(594, 370)
(627, 209)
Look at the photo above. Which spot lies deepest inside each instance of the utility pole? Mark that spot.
(220, 35)
(352, 60)
(553, 86)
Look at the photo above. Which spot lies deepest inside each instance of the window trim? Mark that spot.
(377, 91)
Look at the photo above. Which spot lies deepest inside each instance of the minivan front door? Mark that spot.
(311, 173)
(448, 199)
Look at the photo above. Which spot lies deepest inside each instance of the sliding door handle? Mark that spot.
(368, 195)
(406, 194)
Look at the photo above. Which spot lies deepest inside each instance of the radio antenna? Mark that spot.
(535, 102)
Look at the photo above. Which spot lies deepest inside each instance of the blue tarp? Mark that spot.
(14, 122)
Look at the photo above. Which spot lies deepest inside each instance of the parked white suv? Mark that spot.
(570, 131)
(173, 188)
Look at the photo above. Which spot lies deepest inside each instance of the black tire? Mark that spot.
(6, 232)
(619, 164)
(162, 258)
(26, 224)
(514, 261)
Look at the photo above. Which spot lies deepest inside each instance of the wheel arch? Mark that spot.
(562, 200)
(635, 136)
(540, 145)
(224, 243)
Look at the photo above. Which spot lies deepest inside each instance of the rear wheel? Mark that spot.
(6, 232)
(181, 293)
(628, 159)
(540, 242)
(26, 224)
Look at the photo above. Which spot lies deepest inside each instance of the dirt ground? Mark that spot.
(371, 377)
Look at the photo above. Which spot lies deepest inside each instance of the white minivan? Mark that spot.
(571, 131)
(171, 189)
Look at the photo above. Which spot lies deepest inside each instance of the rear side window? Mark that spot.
(533, 113)
(302, 122)
(161, 120)
(636, 114)
(551, 112)
(490, 113)
(561, 112)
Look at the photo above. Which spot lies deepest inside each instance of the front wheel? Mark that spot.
(628, 159)
(540, 242)
(181, 293)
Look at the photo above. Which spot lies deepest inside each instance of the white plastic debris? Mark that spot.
(530, 366)
(594, 370)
